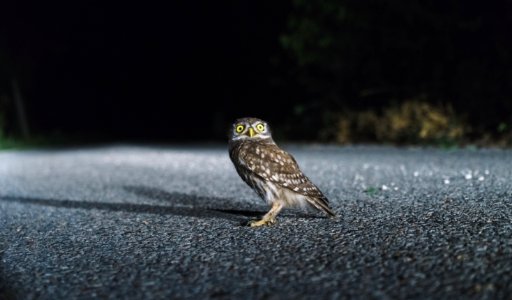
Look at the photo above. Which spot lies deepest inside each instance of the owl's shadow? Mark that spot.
(168, 204)
(182, 205)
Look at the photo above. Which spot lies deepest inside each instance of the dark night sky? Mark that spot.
(145, 70)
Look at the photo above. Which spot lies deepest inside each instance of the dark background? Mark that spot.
(182, 71)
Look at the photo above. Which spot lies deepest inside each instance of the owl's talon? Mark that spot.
(262, 222)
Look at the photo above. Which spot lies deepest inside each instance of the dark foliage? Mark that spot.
(372, 54)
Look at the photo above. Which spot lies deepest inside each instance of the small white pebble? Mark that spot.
(396, 188)
(416, 173)
(481, 178)
(447, 181)
(486, 172)
(385, 187)
(468, 176)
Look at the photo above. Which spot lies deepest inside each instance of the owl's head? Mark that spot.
(250, 128)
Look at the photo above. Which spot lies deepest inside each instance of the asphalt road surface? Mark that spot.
(136, 222)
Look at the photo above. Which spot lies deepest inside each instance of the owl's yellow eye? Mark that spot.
(260, 127)
(239, 128)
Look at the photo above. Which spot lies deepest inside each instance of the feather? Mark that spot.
(267, 162)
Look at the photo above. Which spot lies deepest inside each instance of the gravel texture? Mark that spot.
(136, 222)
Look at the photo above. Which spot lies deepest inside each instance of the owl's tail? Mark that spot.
(322, 205)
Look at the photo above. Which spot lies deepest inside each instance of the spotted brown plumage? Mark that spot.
(270, 171)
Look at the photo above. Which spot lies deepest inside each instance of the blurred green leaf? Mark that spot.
(371, 191)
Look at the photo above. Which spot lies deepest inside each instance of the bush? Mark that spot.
(414, 121)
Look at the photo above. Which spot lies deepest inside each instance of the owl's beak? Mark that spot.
(251, 132)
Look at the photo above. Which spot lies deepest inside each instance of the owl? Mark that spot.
(270, 171)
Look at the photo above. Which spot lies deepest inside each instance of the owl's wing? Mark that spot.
(271, 163)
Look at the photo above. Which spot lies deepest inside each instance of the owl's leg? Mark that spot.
(270, 217)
